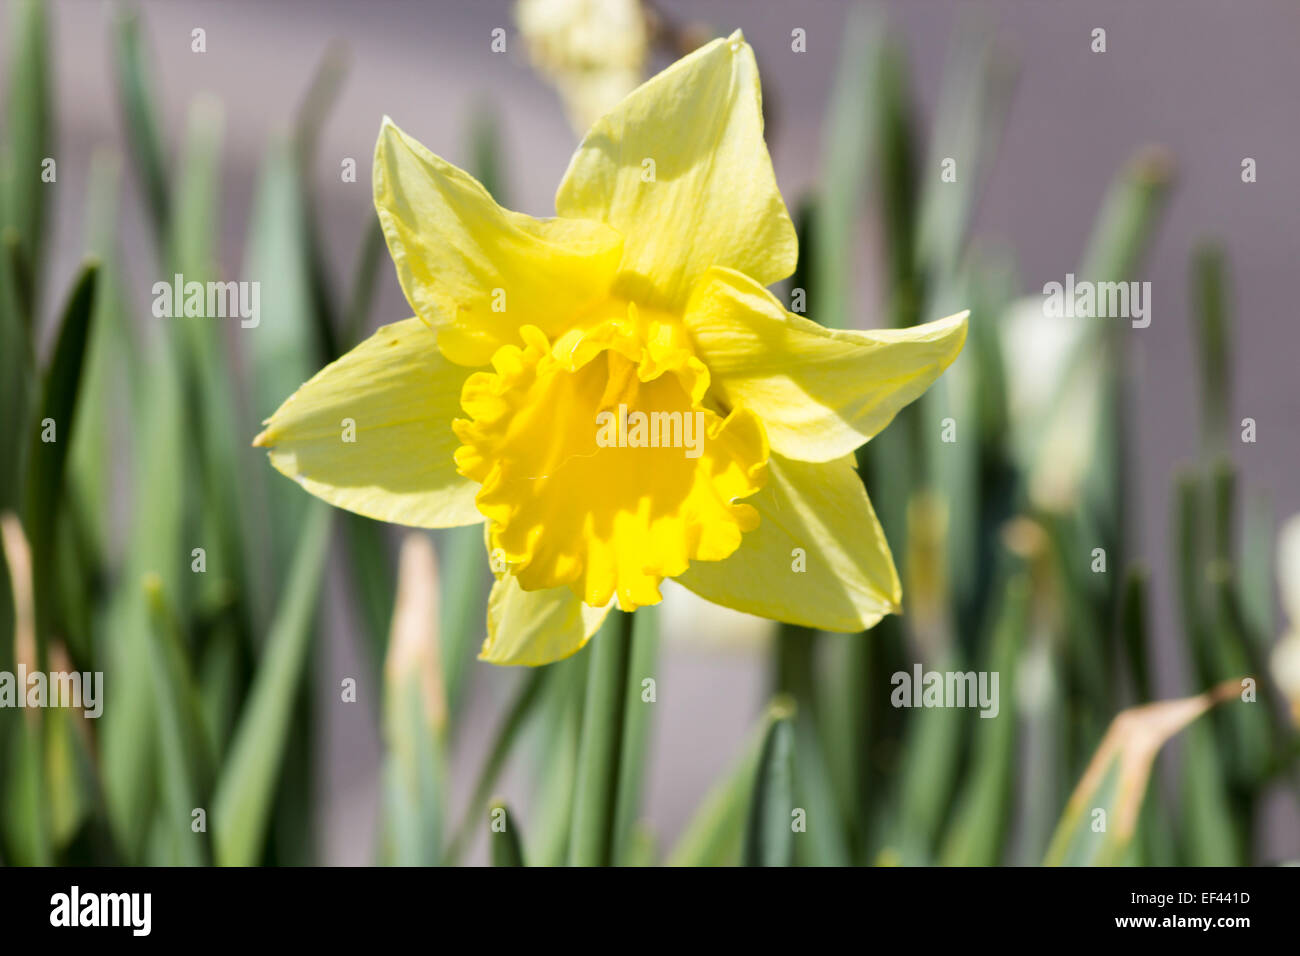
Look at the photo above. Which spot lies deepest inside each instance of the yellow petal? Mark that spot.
(477, 272)
(816, 517)
(401, 395)
(680, 169)
(536, 627)
(820, 392)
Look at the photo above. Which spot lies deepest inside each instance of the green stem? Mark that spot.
(600, 750)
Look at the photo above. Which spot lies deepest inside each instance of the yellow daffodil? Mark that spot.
(520, 394)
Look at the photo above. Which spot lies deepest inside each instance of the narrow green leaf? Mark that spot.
(637, 719)
(18, 374)
(51, 438)
(185, 764)
(554, 759)
(1209, 819)
(770, 822)
(135, 89)
(973, 107)
(281, 349)
(850, 130)
(464, 607)
(982, 814)
(507, 848)
(715, 834)
(242, 800)
(320, 98)
(1133, 628)
(1213, 329)
(29, 116)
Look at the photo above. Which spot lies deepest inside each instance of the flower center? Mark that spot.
(603, 465)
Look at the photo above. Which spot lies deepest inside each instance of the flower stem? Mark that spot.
(600, 749)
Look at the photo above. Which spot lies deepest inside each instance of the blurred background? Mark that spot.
(1056, 145)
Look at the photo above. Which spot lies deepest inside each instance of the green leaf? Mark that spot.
(554, 763)
(1213, 334)
(48, 452)
(1209, 817)
(637, 718)
(281, 350)
(135, 88)
(18, 374)
(715, 834)
(507, 848)
(769, 824)
(850, 129)
(973, 107)
(464, 607)
(1133, 628)
(185, 764)
(29, 114)
(982, 814)
(241, 803)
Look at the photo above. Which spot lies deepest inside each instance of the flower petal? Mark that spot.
(477, 272)
(536, 627)
(680, 169)
(820, 392)
(402, 395)
(848, 582)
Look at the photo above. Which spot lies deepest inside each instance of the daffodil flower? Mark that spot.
(646, 294)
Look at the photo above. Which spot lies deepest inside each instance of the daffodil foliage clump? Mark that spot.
(648, 292)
